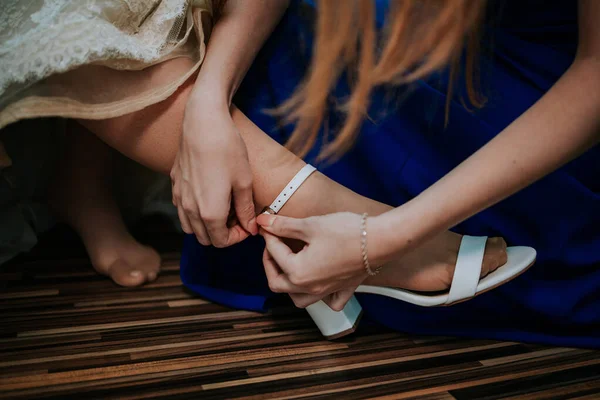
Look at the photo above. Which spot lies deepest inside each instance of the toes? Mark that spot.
(152, 276)
(124, 274)
(127, 263)
(134, 268)
(495, 255)
(150, 264)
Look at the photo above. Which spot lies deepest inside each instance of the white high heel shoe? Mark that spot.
(465, 282)
(465, 286)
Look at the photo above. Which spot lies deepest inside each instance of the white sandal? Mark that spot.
(465, 282)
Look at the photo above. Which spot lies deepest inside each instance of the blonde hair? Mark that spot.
(420, 37)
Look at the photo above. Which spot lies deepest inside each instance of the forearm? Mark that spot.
(238, 35)
(560, 126)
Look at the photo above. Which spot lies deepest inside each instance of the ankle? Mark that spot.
(267, 186)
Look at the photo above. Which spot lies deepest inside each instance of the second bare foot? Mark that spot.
(82, 196)
(126, 261)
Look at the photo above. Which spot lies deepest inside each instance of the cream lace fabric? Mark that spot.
(88, 58)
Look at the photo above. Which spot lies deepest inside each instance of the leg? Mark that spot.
(81, 195)
(151, 137)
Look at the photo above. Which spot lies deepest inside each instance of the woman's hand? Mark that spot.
(211, 170)
(329, 267)
(211, 175)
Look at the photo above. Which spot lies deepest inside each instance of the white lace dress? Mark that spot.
(76, 58)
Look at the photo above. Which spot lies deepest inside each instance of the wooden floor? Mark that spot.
(68, 333)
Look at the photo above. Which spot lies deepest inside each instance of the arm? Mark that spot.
(211, 172)
(238, 35)
(564, 123)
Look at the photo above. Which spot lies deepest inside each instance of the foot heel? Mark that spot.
(335, 324)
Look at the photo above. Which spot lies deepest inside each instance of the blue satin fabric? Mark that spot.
(405, 148)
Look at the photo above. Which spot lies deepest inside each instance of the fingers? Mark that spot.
(235, 235)
(183, 219)
(198, 228)
(244, 207)
(216, 227)
(221, 235)
(189, 225)
(286, 227)
(304, 300)
(283, 256)
(213, 214)
(189, 207)
(278, 282)
(208, 230)
(337, 301)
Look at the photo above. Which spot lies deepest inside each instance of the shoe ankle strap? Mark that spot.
(290, 189)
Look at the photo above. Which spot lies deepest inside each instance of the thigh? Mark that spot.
(149, 136)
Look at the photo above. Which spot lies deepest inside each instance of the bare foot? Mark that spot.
(81, 195)
(431, 266)
(123, 259)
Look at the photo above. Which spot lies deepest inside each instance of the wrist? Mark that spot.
(400, 231)
(393, 234)
(380, 247)
(207, 105)
(211, 94)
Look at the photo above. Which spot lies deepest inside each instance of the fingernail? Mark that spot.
(265, 219)
(253, 227)
(135, 273)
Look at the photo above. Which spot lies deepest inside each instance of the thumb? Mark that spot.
(286, 227)
(244, 209)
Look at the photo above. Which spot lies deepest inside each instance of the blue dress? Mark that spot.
(528, 45)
